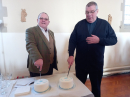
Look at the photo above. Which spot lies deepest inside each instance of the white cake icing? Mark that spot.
(66, 82)
(41, 85)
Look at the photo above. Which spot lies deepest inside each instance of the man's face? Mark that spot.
(91, 13)
(43, 21)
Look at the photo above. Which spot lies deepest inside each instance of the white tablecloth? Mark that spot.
(79, 90)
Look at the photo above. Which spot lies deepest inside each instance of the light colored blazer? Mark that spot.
(38, 48)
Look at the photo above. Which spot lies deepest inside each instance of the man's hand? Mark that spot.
(92, 40)
(39, 64)
(70, 61)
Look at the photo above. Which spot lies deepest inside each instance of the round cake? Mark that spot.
(41, 85)
(66, 82)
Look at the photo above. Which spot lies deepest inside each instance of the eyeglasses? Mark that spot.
(91, 11)
(43, 19)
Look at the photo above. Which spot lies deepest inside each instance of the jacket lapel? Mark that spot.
(42, 36)
(49, 32)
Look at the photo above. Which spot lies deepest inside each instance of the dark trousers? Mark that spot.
(50, 72)
(95, 79)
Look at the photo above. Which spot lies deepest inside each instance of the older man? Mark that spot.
(89, 37)
(40, 45)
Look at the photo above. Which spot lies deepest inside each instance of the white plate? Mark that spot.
(43, 91)
(68, 88)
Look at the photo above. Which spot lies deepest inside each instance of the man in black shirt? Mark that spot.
(89, 38)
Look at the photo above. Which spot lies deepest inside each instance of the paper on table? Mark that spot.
(24, 82)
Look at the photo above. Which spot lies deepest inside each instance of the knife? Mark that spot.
(31, 83)
(40, 73)
(68, 71)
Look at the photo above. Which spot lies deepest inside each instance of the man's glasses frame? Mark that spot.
(43, 19)
(91, 12)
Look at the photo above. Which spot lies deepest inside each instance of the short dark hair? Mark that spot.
(92, 3)
(42, 13)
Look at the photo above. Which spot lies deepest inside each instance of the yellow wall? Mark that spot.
(64, 14)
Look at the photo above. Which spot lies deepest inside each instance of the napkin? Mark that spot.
(22, 91)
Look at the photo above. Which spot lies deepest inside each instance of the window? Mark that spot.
(127, 12)
(125, 26)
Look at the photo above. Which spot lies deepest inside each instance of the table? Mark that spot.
(80, 90)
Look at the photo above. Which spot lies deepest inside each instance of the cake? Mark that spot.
(66, 82)
(41, 85)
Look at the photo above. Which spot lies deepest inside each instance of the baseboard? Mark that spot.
(115, 70)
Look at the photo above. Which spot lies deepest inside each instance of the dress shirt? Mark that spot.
(45, 33)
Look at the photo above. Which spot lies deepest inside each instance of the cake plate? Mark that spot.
(42, 91)
(68, 88)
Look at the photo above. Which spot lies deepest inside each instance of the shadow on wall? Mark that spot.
(3, 13)
(126, 53)
(62, 40)
(17, 71)
(3, 28)
(66, 56)
(119, 54)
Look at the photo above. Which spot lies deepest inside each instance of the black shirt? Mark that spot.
(91, 26)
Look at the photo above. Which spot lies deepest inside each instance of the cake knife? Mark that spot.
(68, 71)
(40, 72)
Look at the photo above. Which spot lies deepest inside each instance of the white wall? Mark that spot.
(64, 14)
(116, 58)
(15, 54)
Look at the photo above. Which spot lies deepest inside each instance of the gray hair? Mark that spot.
(42, 13)
(92, 3)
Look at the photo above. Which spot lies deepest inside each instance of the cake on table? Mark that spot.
(66, 82)
(41, 85)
